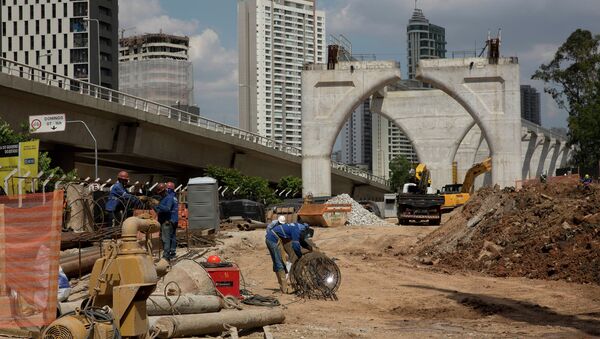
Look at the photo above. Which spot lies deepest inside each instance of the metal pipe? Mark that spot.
(203, 324)
(184, 304)
(159, 305)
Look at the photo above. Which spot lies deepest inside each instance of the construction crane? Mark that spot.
(125, 29)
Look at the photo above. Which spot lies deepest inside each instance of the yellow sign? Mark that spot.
(23, 157)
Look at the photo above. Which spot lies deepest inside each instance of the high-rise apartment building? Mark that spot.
(530, 104)
(276, 38)
(357, 141)
(425, 41)
(73, 38)
(156, 67)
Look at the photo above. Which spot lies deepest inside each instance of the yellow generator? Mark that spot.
(119, 285)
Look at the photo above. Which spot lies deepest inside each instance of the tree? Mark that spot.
(290, 183)
(399, 168)
(9, 136)
(253, 188)
(572, 78)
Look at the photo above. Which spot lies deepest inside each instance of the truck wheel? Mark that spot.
(402, 221)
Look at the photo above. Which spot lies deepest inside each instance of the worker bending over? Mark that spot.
(120, 202)
(168, 217)
(275, 238)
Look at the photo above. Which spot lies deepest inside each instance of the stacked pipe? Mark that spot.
(247, 224)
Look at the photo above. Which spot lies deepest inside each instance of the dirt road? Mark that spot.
(385, 294)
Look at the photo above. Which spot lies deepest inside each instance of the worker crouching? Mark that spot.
(277, 235)
(167, 211)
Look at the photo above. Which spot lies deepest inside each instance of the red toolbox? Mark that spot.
(226, 277)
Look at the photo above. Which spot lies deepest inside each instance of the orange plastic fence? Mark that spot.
(29, 258)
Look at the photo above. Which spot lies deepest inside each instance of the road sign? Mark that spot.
(47, 123)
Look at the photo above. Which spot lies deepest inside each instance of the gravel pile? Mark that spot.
(359, 215)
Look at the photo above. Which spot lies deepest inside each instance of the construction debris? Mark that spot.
(359, 215)
(544, 231)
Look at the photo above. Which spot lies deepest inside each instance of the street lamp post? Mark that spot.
(98, 43)
(95, 144)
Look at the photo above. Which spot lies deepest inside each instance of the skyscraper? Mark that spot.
(156, 67)
(425, 41)
(62, 37)
(357, 139)
(276, 38)
(530, 104)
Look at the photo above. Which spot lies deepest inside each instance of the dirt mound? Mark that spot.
(544, 231)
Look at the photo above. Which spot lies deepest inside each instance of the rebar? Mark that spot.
(315, 275)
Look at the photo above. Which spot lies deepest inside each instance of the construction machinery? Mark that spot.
(458, 194)
(417, 202)
(120, 283)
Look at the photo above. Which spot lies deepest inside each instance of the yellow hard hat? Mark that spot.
(587, 176)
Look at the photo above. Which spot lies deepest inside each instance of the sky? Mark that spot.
(532, 30)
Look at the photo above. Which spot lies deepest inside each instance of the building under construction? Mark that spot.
(156, 67)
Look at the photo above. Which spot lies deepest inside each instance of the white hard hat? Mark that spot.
(281, 219)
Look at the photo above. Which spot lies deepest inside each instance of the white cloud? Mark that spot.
(215, 67)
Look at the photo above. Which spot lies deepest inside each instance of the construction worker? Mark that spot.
(120, 202)
(168, 217)
(275, 238)
(586, 181)
(280, 220)
(306, 234)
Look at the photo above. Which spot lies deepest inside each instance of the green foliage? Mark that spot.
(253, 188)
(9, 136)
(290, 183)
(399, 168)
(572, 78)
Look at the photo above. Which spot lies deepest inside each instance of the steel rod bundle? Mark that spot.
(315, 275)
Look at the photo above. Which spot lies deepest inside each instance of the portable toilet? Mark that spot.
(389, 205)
(203, 204)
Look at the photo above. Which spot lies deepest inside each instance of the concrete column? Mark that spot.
(434, 122)
(529, 144)
(491, 95)
(328, 98)
(550, 165)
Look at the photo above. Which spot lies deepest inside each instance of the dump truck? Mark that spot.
(456, 195)
(417, 202)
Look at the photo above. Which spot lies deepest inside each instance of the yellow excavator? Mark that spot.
(458, 194)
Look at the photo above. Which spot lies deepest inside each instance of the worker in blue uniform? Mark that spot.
(168, 217)
(275, 238)
(120, 202)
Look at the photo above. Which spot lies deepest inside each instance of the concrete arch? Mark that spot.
(328, 98)
(491, 95)
(434, 122)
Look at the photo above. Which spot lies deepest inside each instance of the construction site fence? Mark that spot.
(29, 258)
(85, 88)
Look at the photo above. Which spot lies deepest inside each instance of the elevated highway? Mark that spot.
(148, 138)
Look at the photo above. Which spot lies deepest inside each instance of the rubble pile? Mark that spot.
(359, 215)
(544, 231)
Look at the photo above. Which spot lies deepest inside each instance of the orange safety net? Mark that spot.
(29, 257)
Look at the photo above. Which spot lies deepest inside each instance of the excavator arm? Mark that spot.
(474, 172)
